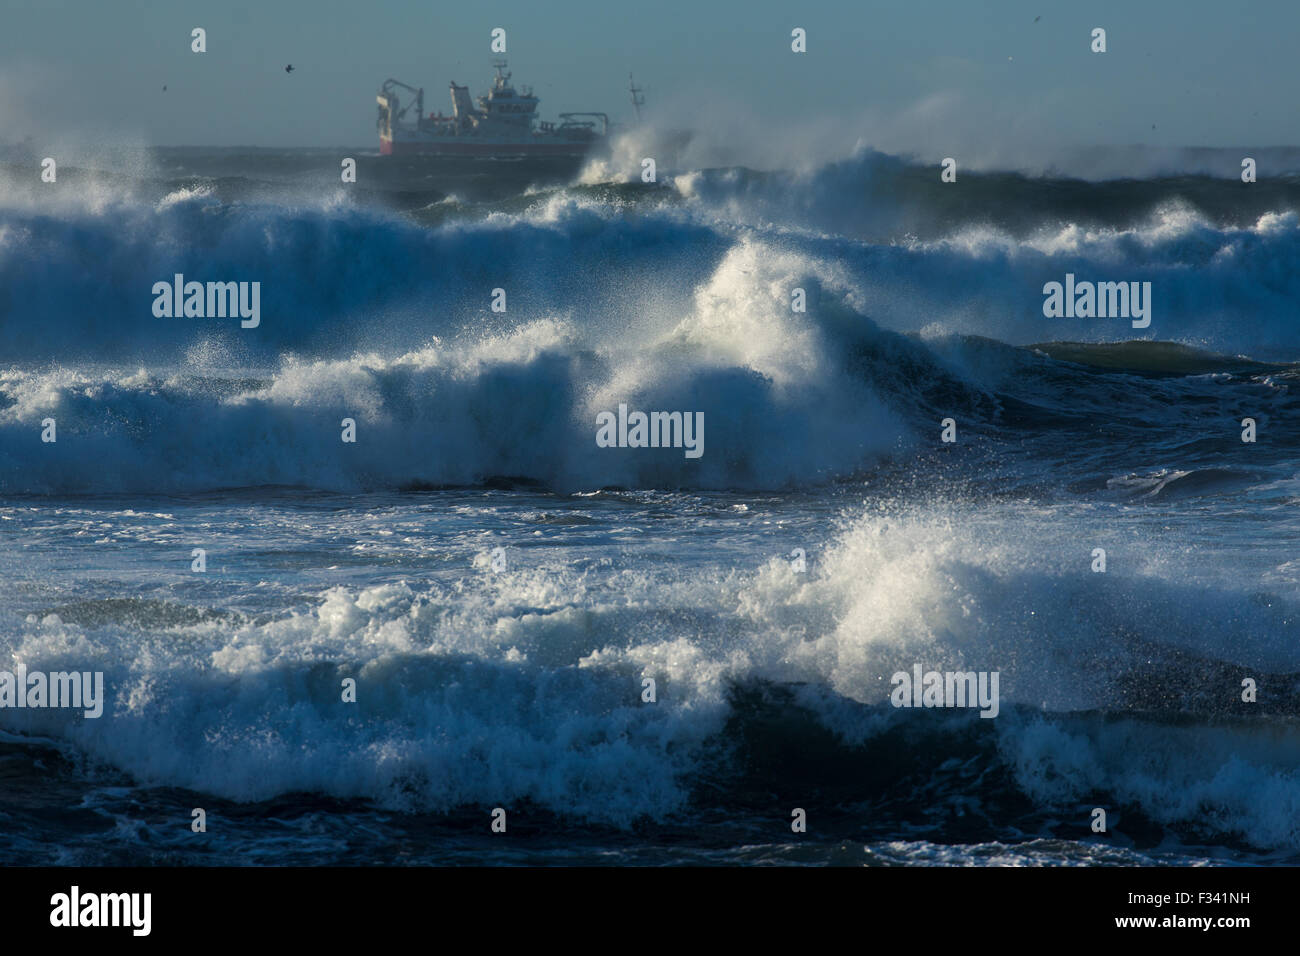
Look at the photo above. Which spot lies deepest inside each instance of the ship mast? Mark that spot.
(638, 100)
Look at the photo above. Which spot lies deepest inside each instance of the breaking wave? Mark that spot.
(339, 276)
(525, 687)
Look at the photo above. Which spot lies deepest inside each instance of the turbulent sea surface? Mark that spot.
(521, 688)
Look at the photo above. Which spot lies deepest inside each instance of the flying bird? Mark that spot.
(289, 68)
(1037, 18)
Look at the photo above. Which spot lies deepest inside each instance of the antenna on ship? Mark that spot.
(638, 100)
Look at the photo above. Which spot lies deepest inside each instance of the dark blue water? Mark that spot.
(501, 589)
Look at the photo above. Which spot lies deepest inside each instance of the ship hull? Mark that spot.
(468, 148)
(410, 176)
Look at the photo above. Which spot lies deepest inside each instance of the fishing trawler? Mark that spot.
(501, 125)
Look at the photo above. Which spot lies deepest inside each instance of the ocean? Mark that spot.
(474, 613)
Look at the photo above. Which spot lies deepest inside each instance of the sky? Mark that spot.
(935, 75)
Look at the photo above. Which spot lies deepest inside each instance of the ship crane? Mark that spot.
(387, 91)
(571, 123)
